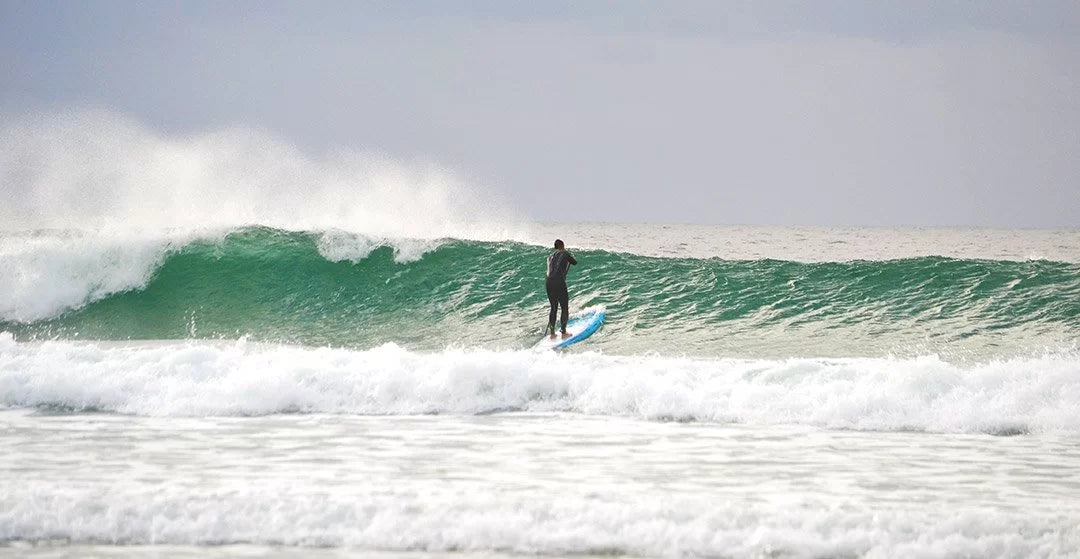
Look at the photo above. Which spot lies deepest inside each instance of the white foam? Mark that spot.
(531, 523)
(1040, 394)
(339, 246)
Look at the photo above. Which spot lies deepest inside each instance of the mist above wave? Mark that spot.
(87, 169)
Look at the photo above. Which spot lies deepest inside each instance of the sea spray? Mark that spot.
(92, 169)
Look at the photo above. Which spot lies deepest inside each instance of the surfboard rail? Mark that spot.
(580, 326)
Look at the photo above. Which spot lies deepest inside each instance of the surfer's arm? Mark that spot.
(570, 259)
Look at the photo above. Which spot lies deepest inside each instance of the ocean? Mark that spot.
(260, 391)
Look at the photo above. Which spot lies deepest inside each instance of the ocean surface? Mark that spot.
(261, 391)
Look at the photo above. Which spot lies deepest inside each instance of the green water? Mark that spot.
(277, 286)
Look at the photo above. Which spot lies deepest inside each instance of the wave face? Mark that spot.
(342, 289)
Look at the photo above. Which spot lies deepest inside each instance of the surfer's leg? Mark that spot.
(564, 302)
(553, 300)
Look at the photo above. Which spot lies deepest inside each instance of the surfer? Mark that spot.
(558, 264)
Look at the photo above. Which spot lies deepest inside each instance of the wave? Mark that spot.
(45, 273)
(343, 289)
(1034, 394)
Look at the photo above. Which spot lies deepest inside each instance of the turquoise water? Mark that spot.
(291, 287)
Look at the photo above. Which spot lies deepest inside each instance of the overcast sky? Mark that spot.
(771, 112)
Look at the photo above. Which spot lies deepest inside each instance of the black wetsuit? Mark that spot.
(557, 265)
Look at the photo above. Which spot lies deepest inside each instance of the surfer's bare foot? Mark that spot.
(553, 335)
(564, 335)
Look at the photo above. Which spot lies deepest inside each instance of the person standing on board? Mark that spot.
(558, 264)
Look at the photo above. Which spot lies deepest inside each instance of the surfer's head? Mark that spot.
(559, 244)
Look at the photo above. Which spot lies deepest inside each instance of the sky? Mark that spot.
(835, 113)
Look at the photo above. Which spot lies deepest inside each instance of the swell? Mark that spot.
(346, 290)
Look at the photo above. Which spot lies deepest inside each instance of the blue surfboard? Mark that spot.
(580, 326)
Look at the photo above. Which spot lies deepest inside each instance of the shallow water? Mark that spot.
(531, 483)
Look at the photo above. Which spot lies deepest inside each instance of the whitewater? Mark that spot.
(221, 345)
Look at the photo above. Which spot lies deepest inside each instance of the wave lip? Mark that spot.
(1036, 394)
